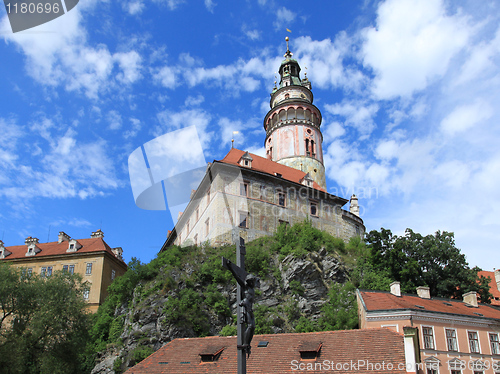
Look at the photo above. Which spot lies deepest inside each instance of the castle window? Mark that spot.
(313, 208)
(281, 199)
(187, 230)
(282, 115)
(208, 196)
(113, 274)
(263, 192)
(243, 220)
(43, 271)
(72, 269)
(86, 294)
(287, 96)
(65, 268)
(308, 153)
(49, 271)
(88, 270)
(29, 271)
(197, 213)
(196, 240)
(207, 226)
(244, 189)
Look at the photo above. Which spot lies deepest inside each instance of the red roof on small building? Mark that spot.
(493, 286)
(268, 166)
(282, 354)
(91, 245)
(381, 301)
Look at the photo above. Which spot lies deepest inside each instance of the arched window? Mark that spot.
(308, 115)
(275, 119)
(282, 115)
(291, 113)
(287, 96)
(300, 113)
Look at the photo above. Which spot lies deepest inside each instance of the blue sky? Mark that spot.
(409, 92)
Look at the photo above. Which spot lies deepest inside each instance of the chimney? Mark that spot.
(29, 240)
(396, 288)
(470, 298)
(354, 207)
(424, 292)
(118, 252)
(63, 237)
(97, 234)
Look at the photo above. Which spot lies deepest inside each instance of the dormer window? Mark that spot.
(246, 160)
(3, 251)
(310, 350)
(33, 250)
(73, 246)
(211, 353)
(307, 180)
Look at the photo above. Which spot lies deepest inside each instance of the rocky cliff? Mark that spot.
(191, 295)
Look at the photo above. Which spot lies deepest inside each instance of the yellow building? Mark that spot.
(93, 259)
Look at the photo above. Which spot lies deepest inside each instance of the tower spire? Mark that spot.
(293, 135)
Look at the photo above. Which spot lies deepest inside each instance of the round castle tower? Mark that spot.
(293, 135)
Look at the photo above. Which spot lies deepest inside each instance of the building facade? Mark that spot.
(455, 337)
(254, 195)
(92, 258)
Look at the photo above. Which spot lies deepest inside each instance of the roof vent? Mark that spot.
(420, 306)
(449, 304)
(97, 234)
(263, 344)
(211, 353)
(310, 350)
(278, 175)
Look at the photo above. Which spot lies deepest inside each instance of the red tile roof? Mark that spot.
(55, 248)
(380, 300)
(372, 346)
(493, 286)
(267, 166)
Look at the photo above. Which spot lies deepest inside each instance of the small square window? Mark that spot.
(88, 270)
(281, 199)
(71, 246)
(313, 208)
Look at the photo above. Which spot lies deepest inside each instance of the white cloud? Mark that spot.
(412, 45)
(171, 4)
(171, 121)
(284, 18)
(466, 116)
(134, 7)
(166, 76)
(359, 115)
(67, 59)
(130, 63)
(115, 120)
(210, 5)
(194, 101)
(134, 129)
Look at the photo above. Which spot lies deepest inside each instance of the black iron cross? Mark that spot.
(245, 295)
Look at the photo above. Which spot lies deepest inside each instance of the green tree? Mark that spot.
(432, 260)
(44, 325)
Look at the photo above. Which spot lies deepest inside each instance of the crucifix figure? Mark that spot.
(245, 295)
